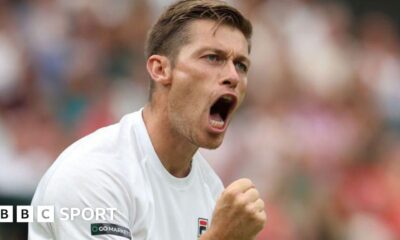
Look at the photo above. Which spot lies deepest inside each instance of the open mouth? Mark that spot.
(220, 111)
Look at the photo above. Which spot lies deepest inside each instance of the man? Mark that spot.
(148, 166)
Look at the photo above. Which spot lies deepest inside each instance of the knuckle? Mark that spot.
(261, 203)
(240, 201)
(249, 209)
(252, 194)
(255, 192)
(246, 181)
(229, 194)
(249, 182)
(259, 225)
(262, 218)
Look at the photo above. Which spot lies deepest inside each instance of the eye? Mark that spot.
(241, 67)
(213, 58)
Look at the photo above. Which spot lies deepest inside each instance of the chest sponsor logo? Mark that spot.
(109, 229)
(202, 226)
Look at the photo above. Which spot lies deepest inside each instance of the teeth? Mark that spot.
(227, 98)
(217, 124)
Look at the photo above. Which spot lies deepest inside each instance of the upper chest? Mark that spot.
(166, 211)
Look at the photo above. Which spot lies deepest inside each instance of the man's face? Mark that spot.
(209, 81)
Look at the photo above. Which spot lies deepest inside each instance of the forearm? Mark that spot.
(208, 236)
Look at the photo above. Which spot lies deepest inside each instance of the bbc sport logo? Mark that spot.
(47, 214)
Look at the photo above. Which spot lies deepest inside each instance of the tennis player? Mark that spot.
(148, 166)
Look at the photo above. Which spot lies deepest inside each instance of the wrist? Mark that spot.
(208, 235)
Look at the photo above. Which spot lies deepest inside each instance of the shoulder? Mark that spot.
(100, 171)
(102, 165)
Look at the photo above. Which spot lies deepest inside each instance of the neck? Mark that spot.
(174, 150)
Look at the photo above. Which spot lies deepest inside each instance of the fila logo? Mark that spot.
(202, 226)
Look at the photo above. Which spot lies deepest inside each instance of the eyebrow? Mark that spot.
(224, 53)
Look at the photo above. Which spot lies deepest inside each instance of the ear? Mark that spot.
(159, 68)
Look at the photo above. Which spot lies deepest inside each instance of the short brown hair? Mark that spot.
(169, 34)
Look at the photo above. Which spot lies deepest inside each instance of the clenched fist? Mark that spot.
(239, 213)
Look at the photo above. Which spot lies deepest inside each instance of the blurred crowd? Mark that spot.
(319, 132)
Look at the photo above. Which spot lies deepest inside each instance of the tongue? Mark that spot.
(216, 117)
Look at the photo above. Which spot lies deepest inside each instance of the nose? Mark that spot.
(231, 77)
